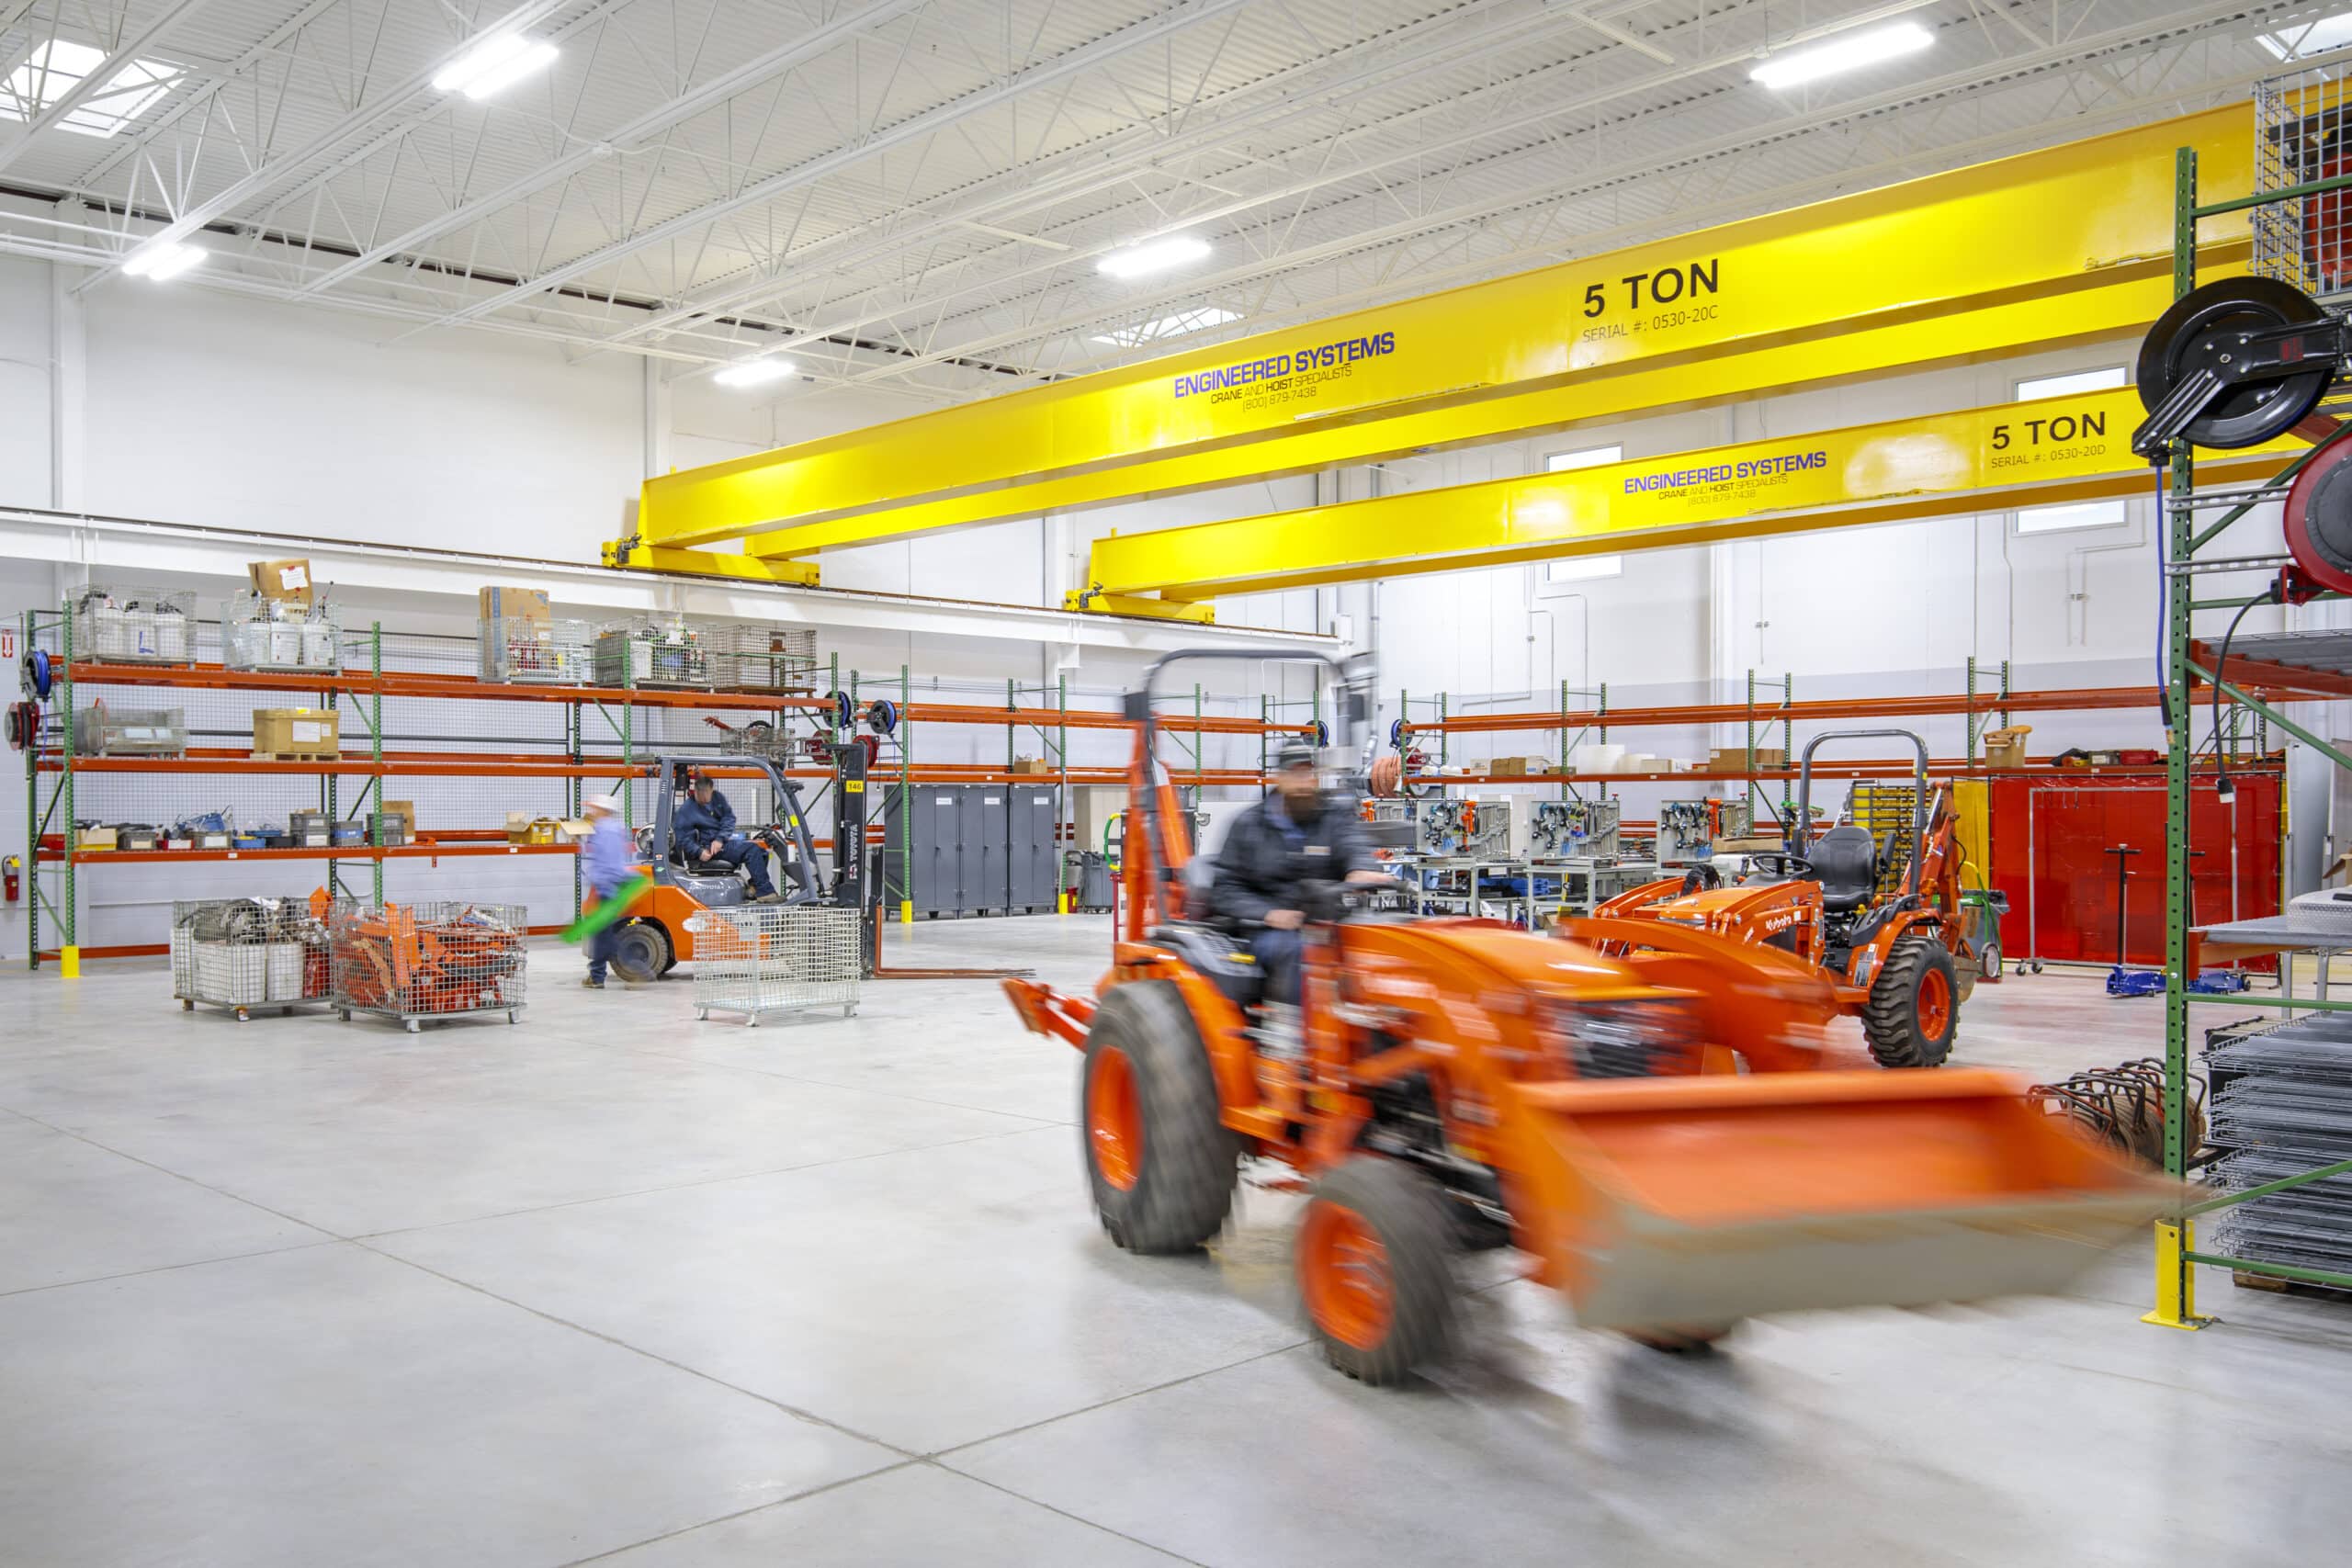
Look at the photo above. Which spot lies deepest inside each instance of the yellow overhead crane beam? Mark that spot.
(2069, 448)
(2064, 225)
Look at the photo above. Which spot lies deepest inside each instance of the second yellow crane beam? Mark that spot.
(2049, 450)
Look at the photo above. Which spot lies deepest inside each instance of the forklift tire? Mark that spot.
(1914, 1010)
(641, 952)
(1375, 1270)
(1158, 1156)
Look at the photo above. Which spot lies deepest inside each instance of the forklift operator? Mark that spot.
(1296, 835)
(706, 839)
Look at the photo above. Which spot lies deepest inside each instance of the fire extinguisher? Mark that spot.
(12, 874)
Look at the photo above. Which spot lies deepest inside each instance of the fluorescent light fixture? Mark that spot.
(1849, 53)
(755, 372)
(497, 63)
(161, 264)
(1161, 327)
(2310, 38)
(60, 66)
(1153, 255)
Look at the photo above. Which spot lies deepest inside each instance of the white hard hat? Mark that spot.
(601, 803)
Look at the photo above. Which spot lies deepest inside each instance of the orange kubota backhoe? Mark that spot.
(1457, 1084)
(1897, 957)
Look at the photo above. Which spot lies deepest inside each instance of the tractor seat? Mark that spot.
(1845, 862)
(1225, 964)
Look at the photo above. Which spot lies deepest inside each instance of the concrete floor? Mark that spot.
(613, 1285)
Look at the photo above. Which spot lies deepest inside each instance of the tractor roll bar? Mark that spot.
(1354, 710)
(1919, 797)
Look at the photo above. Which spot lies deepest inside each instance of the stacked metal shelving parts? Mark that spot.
(2281, 1105)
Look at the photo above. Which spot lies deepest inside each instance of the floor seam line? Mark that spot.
(169, 1268)
(1064, 1513)
(743, 1512)
(182, 1176)
(542, 1312)
(939, 1454)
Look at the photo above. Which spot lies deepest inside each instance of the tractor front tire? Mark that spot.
(1375, 1270)
(1914, 1010)
(641, 952)
(1158, 1155)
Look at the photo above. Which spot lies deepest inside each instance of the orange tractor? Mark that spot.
(1881, 919)
(1457, 1084)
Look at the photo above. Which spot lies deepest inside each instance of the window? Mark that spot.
(1161, 327)
(2076, 514)
(57, 67)
(1589, 458)
(2300, 39)
(1583, 568)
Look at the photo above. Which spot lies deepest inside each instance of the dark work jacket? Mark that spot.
(1259, 870)
(696, 824)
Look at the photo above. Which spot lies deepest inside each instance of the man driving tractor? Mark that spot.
(706, 839)
(1296, 835)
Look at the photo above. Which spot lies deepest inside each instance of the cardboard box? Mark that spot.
(405, 811)
(513, 603)
(1733, 759)
(1031, 767)
(288, 582)
(297, 732)
(97, 838)
(2005, 747)
(1518, 767)
(518, 826)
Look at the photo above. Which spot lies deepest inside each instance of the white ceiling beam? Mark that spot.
(366, 118)
(711, 93)
(1185, 14)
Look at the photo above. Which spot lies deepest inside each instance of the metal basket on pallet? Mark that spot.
(104, 731)
(244, 954)
(652, 653)
(520, 649)
(276, 634)
(764, 958)
(135, 625)
(413, 961)
(750, 656)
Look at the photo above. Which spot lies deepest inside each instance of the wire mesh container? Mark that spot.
(520, 649)
(134, 626)
(748, 656)
(278, 633)
(104, 731)
(644, 652)
(2302, 121)
(413, 961)
(245, 953)
(764, 958)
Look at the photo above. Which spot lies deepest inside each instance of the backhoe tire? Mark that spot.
(1914, 1010)
(1375, 1270)
(1162, 1163)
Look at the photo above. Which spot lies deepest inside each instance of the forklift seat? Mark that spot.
(713, 890)
(1845, 862)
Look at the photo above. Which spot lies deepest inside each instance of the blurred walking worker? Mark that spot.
(604, 863)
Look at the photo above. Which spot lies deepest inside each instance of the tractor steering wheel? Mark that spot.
(1785, 864)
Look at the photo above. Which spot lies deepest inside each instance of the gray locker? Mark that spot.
(1033, 853)
(981, 823)
(928, 870)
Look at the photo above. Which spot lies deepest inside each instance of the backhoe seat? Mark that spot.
(1846, 862)
(1228, 965)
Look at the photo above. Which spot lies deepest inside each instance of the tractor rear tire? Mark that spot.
(641, 952)
(1375, 1270)
(1159, 1158)
(1914, 1010)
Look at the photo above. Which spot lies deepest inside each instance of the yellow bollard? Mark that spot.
(906, 912)
(2176, 1281)
(1061, 902)
(69, 963)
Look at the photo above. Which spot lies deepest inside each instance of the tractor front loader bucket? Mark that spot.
(1697, 1202)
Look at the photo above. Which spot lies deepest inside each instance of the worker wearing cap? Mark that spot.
(707, 840)
(606, 866)
(1296, 835)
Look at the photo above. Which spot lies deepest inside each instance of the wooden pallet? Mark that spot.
(297, 756)
(2278, 1287)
